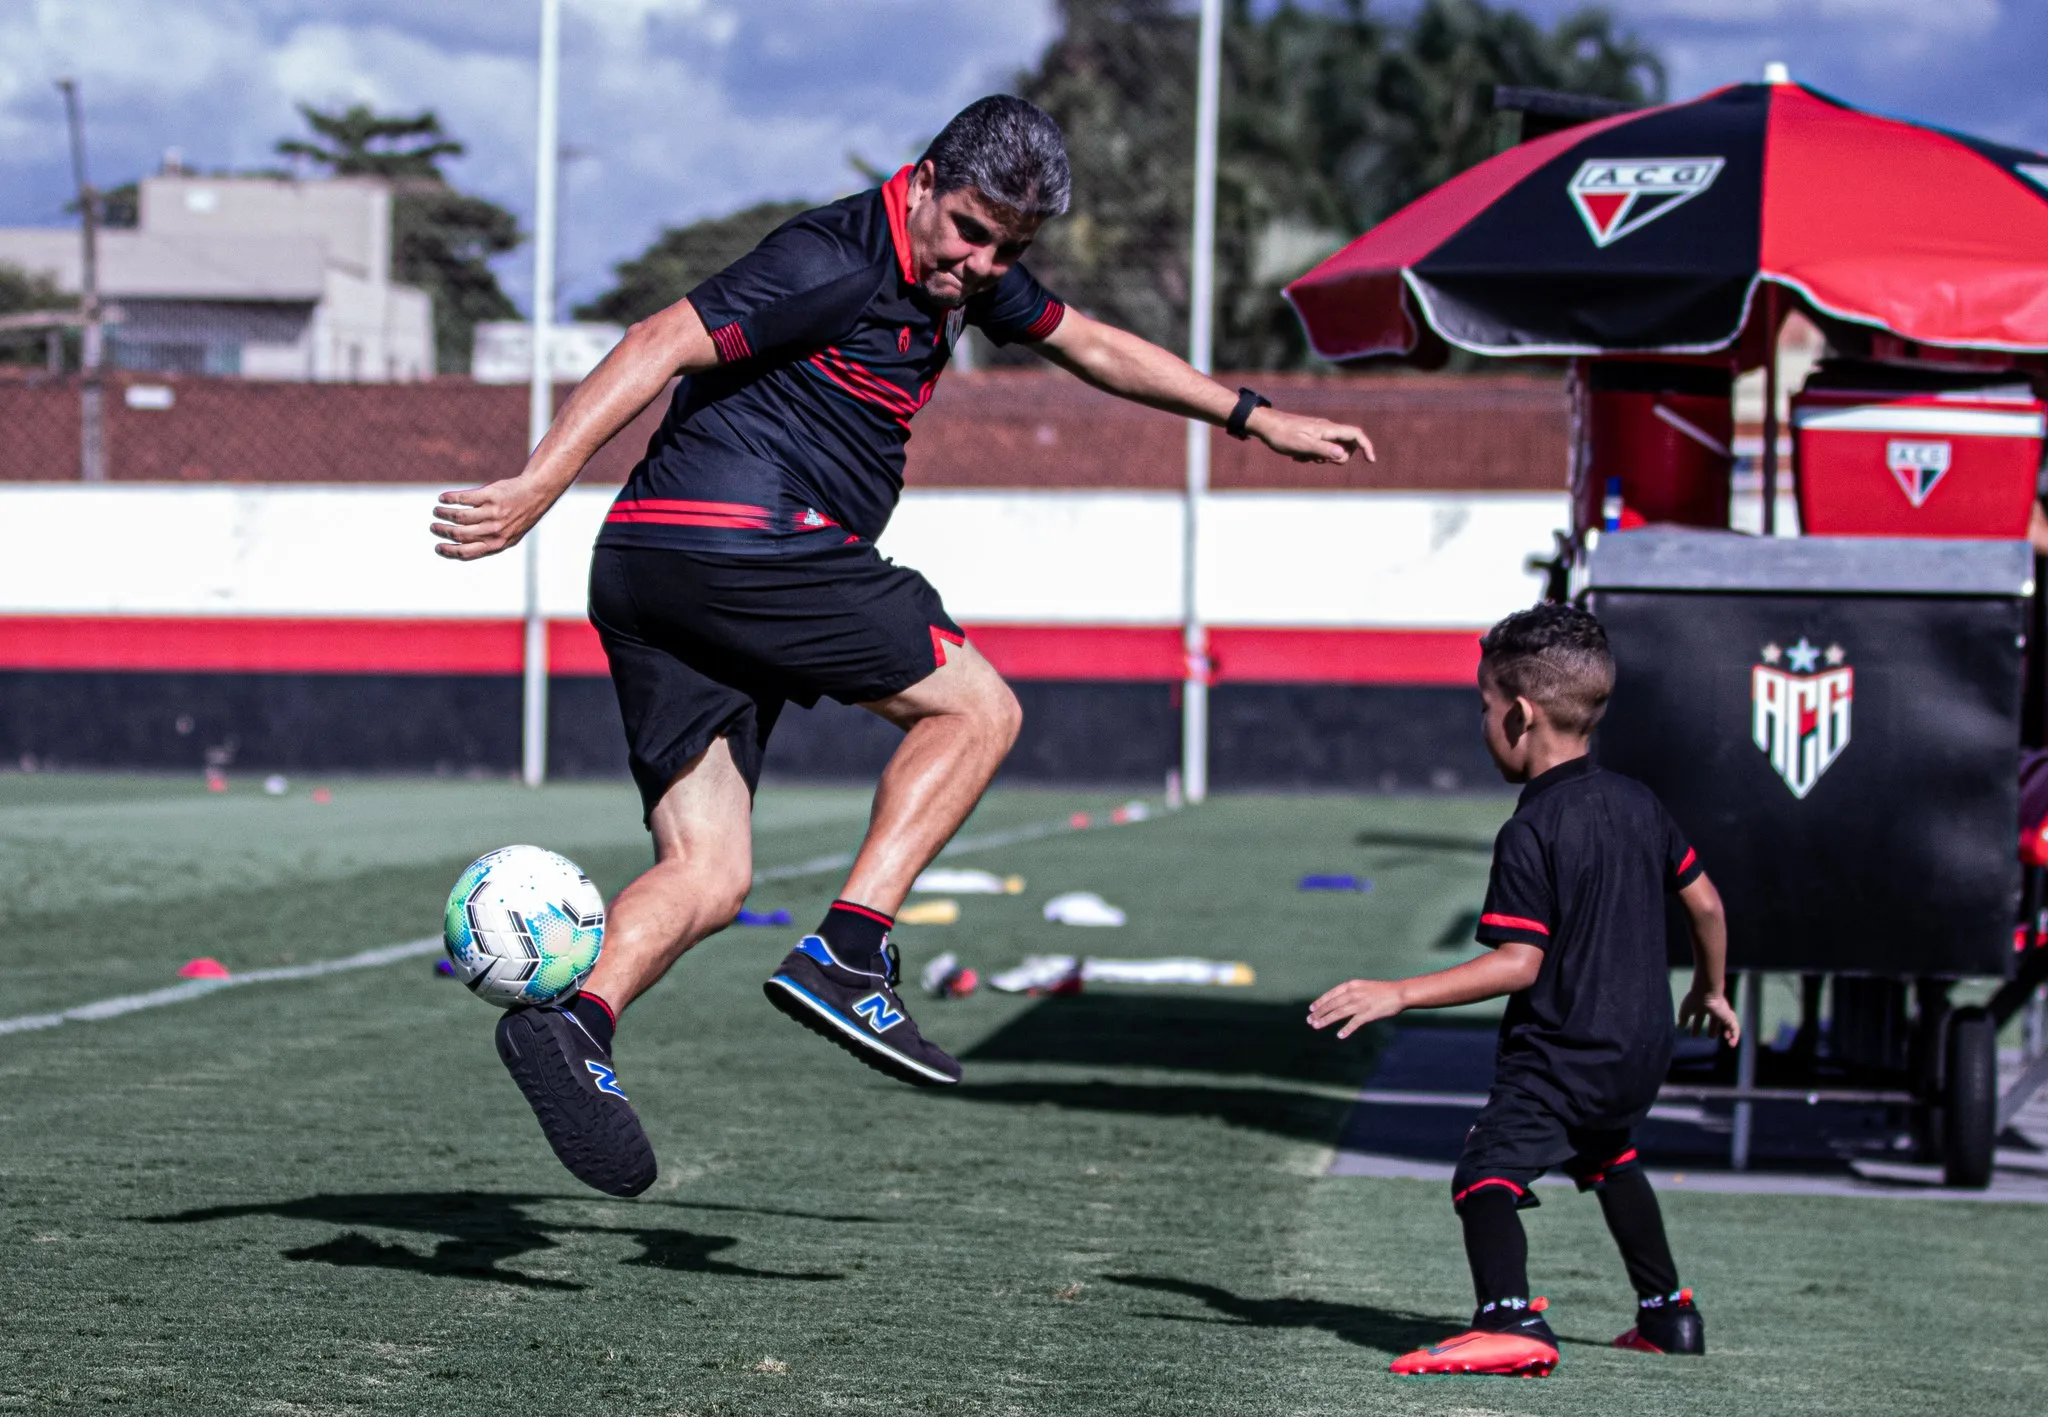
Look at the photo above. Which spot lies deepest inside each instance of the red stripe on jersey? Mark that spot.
(669, 504)
(1515, 922)
(1690, 857)
(853, 389)
(691, 519)
(940, 639)
(896, 202)
(732, 342)
(885, 393)
(1048, 320)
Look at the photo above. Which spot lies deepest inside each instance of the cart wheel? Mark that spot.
(1969, 1112)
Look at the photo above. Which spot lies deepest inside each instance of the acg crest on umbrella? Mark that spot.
(1616, 196)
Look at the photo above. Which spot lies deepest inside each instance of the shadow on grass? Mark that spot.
(1426, 841)
(1253, 1037)
(1299, 1116)
(1390, 1331)
(481, 1232)
(1232, 1037)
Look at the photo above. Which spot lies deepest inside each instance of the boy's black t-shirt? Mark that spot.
(827, 347)
(1581, 871)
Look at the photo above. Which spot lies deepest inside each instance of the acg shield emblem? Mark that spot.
(1799, 713)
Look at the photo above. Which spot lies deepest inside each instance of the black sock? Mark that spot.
(1495, 1245)
(855, 934)
(1637, 1224)
(596, 1016)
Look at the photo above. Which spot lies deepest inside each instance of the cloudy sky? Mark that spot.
(676, 109)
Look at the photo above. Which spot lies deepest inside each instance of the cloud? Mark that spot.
(678, 109)
(672, 109)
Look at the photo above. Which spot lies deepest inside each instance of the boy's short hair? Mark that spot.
(1555, 656)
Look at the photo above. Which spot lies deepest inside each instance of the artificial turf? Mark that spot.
(325, 1196)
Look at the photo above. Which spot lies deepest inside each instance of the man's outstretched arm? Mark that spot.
(1121, 363)
(481, 521)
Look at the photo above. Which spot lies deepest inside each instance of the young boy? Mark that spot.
(1575, 916)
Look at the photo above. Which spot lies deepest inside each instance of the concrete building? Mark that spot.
(504, 350)
(267, 278)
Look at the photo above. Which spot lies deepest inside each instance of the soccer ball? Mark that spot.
(523, 926)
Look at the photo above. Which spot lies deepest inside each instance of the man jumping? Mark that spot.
(737, 572)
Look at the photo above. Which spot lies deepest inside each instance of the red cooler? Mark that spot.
(1870, 463)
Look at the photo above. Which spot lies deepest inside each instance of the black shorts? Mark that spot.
(1517, 1137)
(704, 646)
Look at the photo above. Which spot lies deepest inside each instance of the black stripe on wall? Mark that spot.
(1373, 738)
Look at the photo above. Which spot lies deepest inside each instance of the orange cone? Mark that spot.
(205, 967)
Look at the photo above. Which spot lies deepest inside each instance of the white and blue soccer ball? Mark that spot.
(523, 926)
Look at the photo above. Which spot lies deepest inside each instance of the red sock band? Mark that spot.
(886, 921)
(609, 1012)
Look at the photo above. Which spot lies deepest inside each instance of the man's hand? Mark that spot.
(1708, 1011)
(482, 521)
(1308, 439)
(1356, 1003)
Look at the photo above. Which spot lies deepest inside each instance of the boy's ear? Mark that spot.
(1517, 720)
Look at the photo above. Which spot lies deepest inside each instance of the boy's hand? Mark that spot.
(1707, 1010)
(1356, 1003)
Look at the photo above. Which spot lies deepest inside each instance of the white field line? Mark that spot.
(120, 1004)
(194, 988)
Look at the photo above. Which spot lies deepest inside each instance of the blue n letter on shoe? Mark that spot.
(875, 1009)
(607, 1081)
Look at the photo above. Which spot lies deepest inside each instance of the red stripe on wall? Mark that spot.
(1130, 653)
(259, 646)
(1281, 656)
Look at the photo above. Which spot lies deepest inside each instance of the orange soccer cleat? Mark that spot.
(1526, 1350)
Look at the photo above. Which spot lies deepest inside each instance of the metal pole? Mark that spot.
(540, 410)
(1770, 410)
(1194, 719)
(1751, 1007)
(92, 448)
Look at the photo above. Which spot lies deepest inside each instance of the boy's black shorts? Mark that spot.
(1517, 1137)
(704, 646)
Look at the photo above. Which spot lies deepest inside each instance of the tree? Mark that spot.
(30, 293)
(682, 257)
(442, 240)
(1331, 120)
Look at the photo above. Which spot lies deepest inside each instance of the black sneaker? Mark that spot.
(574, 1091)
(858, 1010)
(1667, 1323)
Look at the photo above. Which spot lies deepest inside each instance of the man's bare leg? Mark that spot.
(561, 1055)
(958, 723)
(704, 863)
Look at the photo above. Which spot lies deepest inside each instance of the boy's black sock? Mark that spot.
(1496, 1248)
(595, 1015)
(855, 934)
(1637, 1224)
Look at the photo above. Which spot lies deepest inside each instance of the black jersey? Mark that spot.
(827, 348)
(1582, 871)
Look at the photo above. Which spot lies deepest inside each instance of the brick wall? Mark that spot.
(1004, 428)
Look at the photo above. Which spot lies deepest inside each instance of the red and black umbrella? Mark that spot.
(1649, 232)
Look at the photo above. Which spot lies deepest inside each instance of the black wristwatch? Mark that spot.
(1241, 415)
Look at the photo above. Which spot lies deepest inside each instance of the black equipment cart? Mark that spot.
(1835, 721)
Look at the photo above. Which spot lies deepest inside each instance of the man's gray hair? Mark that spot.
(1007, 149)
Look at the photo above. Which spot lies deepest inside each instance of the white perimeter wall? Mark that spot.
(1305, 559)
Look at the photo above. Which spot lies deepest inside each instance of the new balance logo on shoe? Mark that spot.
(875, 1009)
(607, 1080)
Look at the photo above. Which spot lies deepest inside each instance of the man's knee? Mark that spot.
(714, 884)
(1003, 714)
